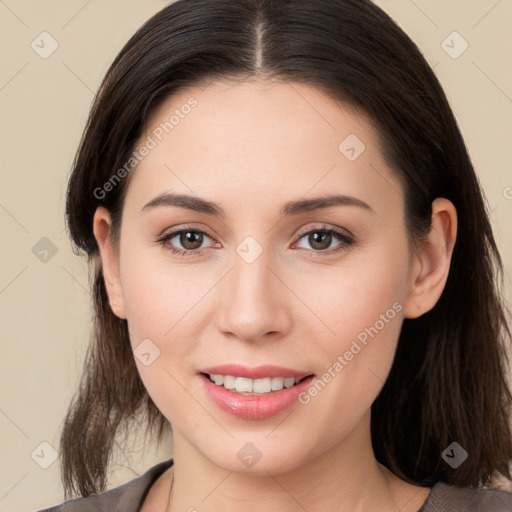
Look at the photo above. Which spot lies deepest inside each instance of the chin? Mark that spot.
(255, 455)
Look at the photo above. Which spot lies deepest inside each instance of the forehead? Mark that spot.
(282, 115)
(261, 139)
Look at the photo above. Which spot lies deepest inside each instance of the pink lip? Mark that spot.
(254, 407)
(259, 372)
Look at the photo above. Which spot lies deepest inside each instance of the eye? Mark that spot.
(190, 239)
(320, 239)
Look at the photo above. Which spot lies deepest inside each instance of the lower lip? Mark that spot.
(254, 407)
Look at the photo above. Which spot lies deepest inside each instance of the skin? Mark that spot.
(251, 147)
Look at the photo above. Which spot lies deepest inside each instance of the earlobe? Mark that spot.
(432, 260)
(109, 260)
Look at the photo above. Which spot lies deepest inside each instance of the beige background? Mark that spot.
(44, 104)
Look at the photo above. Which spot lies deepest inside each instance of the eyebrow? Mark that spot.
(290, 208)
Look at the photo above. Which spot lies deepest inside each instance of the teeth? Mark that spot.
(243, 385)
(277, 383)
(263, 385)
(229, 382)
(253, 386)
(289, 382)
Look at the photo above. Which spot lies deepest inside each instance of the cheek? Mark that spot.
(365, 293)
(160, 297)
(362, 305)
(162, 322)
(165, 307)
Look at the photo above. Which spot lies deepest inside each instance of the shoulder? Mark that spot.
(444, 498)
(126, 498)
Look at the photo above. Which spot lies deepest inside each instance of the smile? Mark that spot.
(254, 393)
(247, 386)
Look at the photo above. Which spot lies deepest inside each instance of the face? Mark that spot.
(268, 283)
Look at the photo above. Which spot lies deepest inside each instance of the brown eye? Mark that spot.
(190, 240)
(320, 239)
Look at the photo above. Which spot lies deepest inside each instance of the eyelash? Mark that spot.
(345, 240)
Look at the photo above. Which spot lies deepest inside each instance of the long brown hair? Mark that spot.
(448, 381)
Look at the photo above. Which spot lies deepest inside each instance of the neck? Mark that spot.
(345, 478)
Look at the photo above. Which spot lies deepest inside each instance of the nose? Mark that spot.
(254, 302)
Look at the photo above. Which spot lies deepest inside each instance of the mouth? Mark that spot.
(254, 393)
(256, 387)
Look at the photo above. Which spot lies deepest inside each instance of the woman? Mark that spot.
(293, 267)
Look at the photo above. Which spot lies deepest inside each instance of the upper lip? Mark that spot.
(257, 372)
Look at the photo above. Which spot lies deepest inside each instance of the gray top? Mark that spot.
(130, 496)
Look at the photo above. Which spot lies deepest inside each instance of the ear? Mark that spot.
(109, 260)
(432, 260)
